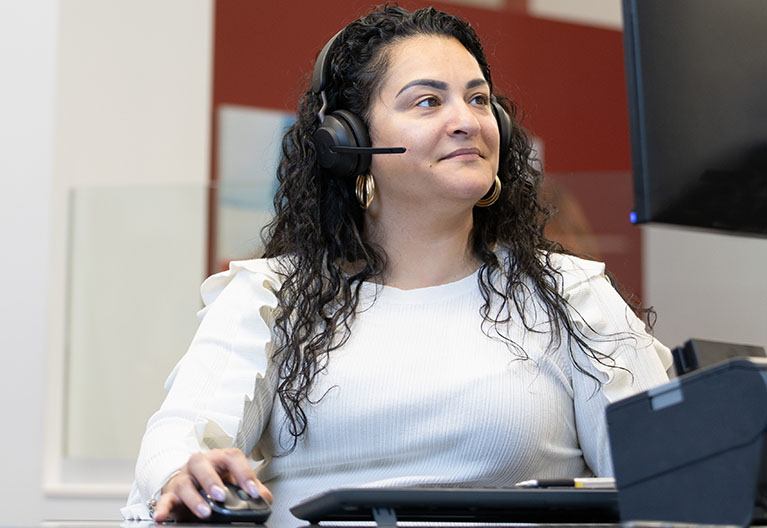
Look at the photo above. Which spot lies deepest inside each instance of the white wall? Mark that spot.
(93, 93)
(706, 285)
(132, 116)
(28, 65)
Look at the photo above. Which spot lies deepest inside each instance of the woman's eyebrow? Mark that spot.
(440, 85)
(476, 82)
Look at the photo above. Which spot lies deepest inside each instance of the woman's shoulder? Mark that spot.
(584, 283)
(259, 275)
(570, 271)
(573, 271)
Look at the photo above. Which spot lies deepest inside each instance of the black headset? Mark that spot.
(342, 141)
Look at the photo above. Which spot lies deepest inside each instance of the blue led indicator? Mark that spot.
(633, 217)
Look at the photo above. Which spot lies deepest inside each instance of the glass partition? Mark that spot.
(591, 218)
(136, 258)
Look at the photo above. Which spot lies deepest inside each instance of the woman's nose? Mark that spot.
(463, 120)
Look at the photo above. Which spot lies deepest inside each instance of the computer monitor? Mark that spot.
(696, 75)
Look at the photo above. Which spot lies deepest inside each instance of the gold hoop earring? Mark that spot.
(365, 189)
(495, 193)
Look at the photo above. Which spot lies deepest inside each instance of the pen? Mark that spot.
(585, 483)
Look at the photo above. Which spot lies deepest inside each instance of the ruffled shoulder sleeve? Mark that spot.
(267, 270)
(627, 360)
(575, 271)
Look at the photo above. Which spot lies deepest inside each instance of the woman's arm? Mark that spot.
(221, 388)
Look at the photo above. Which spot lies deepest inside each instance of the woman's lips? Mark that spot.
(463, 152)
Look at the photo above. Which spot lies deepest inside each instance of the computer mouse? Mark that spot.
(238, 506)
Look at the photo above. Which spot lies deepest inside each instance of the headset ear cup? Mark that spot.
(333, 133)
(361, 138)
(342, 129)
(503, 119)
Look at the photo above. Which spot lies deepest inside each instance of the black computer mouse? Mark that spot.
(237, 507)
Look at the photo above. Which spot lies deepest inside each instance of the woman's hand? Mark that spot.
(181, 494)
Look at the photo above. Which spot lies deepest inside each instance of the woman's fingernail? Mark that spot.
(218, 493)
(203, 509)
(253, 489)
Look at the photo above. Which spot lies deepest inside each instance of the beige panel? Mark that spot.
(601, 13)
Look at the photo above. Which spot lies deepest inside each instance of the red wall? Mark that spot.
(567, 78)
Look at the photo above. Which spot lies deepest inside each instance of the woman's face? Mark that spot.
(435, 102)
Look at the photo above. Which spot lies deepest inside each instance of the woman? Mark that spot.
(410, 324)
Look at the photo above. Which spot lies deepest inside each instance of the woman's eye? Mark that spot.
(481, 99)
(428, 102)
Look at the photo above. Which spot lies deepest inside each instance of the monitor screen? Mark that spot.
(696, 75)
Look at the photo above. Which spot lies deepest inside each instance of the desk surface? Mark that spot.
(148, 524)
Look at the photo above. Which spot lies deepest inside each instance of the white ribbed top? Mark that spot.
(418, 394)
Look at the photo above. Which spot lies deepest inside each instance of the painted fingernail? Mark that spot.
(203, 509)
(218, 493)
(252, 489)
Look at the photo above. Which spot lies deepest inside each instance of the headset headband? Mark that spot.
(321, 73)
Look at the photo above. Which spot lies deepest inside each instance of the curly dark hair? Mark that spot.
(317, 230)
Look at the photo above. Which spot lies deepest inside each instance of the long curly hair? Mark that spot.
(318, 226)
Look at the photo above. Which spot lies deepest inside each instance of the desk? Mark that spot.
(148, 524)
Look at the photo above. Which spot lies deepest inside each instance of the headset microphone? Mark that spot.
(367, 150)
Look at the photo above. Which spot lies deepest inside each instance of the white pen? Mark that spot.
(584, 483)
